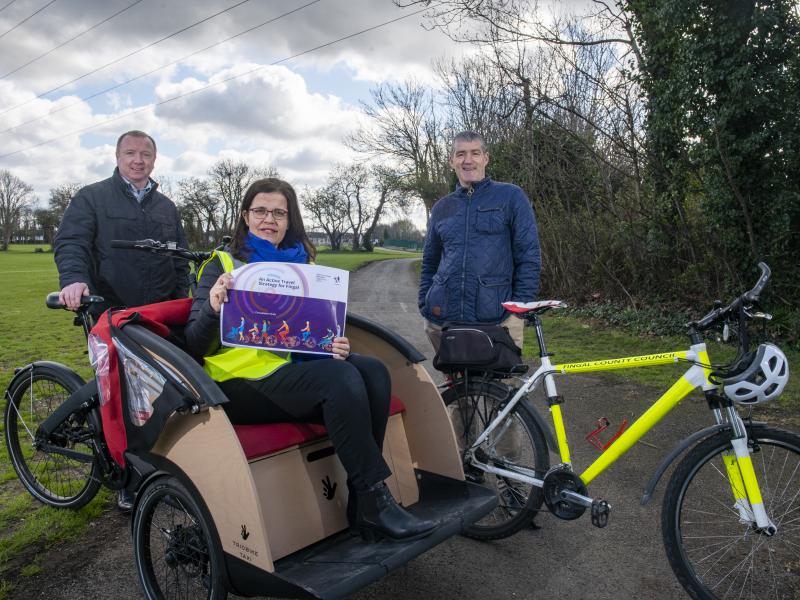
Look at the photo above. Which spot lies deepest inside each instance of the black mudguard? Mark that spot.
(67, 374)
(543, 425)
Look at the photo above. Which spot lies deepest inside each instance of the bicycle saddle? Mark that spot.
(522, 308)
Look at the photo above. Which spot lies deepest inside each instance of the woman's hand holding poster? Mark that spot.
(285, 307)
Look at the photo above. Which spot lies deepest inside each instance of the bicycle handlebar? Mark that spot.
(166, 248)
(748, 298)
(53, 300)
(129, 244)
(753, 294)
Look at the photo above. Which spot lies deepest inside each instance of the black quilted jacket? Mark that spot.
(106, 211)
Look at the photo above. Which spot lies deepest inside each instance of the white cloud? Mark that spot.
(268, 117)
(271, 102)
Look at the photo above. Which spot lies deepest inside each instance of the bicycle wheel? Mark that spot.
(60, 471)
(713, 553)
(517, 443)
(176, 556)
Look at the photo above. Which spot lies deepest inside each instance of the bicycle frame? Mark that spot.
(744, 485)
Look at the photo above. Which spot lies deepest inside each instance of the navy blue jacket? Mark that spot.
(482, 248)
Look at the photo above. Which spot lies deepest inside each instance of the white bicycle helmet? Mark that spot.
(763, 380)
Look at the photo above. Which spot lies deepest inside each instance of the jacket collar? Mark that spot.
(123, 185)
(478, 185)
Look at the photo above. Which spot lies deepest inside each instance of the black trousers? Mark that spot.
(350, 397)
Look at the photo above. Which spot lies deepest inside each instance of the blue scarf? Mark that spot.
(264, 251)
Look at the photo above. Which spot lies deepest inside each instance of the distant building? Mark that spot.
(318, 238)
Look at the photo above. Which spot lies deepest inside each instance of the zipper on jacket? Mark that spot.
(466, 242)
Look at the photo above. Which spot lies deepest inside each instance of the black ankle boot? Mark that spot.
(379, 516)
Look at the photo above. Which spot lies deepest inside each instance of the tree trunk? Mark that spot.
(366, 241)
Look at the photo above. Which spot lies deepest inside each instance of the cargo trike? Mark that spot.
(255, 509)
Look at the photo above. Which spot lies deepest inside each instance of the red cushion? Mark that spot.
(260, 440)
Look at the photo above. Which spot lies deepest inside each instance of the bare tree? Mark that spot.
(389, 191)
(15, 195)
(328, 212)
(493, 22)
(47, 224)
(49, 218)
(350, 183)
(406, 128)
(27, 225)
(229, 180)
(60, 197)
(199, 210)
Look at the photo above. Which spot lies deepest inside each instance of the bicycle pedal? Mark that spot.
(600, 513)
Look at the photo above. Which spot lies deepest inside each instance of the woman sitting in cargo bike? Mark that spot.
(258, 509)
(350, 395)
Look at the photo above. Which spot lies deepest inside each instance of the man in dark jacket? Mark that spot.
(481, 249)
(126, 206)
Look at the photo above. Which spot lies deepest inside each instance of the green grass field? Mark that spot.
(30, 331)
(350, 261)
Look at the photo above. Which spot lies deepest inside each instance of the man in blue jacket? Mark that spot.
(482, 247)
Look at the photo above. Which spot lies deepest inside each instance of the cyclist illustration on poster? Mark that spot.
(307, 300)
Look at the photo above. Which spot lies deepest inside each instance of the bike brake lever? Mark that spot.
(758, 315)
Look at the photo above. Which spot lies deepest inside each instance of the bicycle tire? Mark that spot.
(712, 553)
(522, 443)
(176, 553)
(52, 478)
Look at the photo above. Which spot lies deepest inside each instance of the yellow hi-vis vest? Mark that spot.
(240, 363)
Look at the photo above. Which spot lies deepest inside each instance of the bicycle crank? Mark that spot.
(565, 496)
(563, 491)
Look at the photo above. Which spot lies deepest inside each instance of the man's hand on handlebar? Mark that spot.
(70, 296)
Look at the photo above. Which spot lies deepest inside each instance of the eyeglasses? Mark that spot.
(261, 213)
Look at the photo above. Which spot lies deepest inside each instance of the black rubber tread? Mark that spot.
(780, 489)
(50, 389)
(516, 519)
(166, 508)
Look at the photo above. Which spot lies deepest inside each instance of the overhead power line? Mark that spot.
(121, 58)
(216, 83)
(169, 64)
(7, 5)
(26, 18)
(72, 39)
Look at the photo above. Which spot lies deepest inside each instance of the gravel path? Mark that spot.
(563, 559)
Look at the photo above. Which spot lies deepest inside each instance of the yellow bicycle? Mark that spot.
(731, 511)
